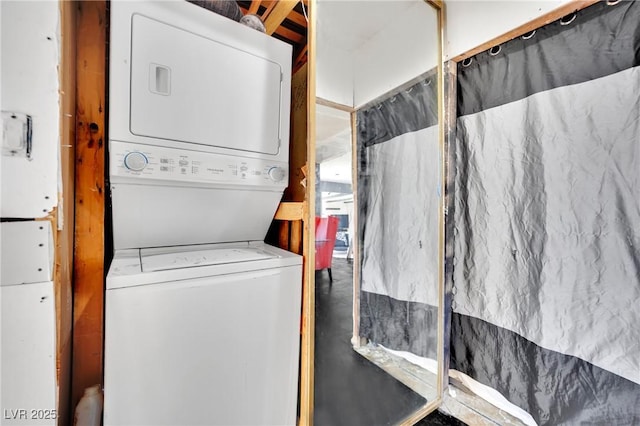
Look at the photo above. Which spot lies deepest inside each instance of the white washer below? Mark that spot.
(202, 335)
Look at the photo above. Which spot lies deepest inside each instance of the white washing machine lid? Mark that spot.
(136, 267)
(152, 261)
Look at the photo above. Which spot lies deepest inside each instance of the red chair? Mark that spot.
(326, 229)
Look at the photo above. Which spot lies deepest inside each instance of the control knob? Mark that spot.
(135, 161)
(276, 174)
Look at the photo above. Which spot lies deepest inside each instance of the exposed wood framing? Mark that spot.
(450, 71)
(295, 236)
(355, 241)
(64, 221)
(438, 4)
(283, 235)
(290, 211)
(290, 35)
(277, 14)
(420, 414)
(290, 235)
(543, 20)
(308, 291)
(298, 18)
(335, 105)
(296, 190)
(300, 59)
(442, 375)
(283, 20)
(88, 312)
(301, 55)
(255, 5)
(268, 11)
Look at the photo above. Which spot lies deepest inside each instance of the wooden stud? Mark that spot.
(295, 243)
(301, 55)
(283, 236)
(268, 10)
(298, 158)
(355, 240)
(255, 6)
(290, 35)
(449, 187)
(278, 14)
(64, 222)
(438, 4)
(298, 140)
(290, 211)
(335, 105)
(297, 18)
(92, 21)
(414, 418)
(543, 20)
(299, 64)
(307, 346)
(441, 385)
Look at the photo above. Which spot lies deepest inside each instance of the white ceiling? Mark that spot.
(348, 24)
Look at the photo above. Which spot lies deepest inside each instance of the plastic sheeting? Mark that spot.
(547, 261)
(398, 199)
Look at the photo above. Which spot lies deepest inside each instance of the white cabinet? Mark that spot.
(28, 355)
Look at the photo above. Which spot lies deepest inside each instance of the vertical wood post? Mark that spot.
(88, 303)
(64, 223)
(308, 290)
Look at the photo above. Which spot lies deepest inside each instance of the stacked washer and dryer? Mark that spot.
(201, 316)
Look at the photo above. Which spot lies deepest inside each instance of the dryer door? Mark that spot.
(189, 87)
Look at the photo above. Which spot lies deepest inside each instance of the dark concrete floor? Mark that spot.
(349, 390)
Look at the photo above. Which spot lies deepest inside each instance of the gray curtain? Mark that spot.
(546, 304)
(398, 196)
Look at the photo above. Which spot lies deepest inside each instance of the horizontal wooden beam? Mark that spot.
(334, 105)
(290, 35)
(298, 18)
(543, 20)
(278, 14)
(290, 211)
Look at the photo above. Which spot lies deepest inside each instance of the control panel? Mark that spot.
(152, 162)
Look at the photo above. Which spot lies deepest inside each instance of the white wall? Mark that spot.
(28, 358)
(30, 57)
(30, 49)
(470, 23)
(334, 74)
(400, 52)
